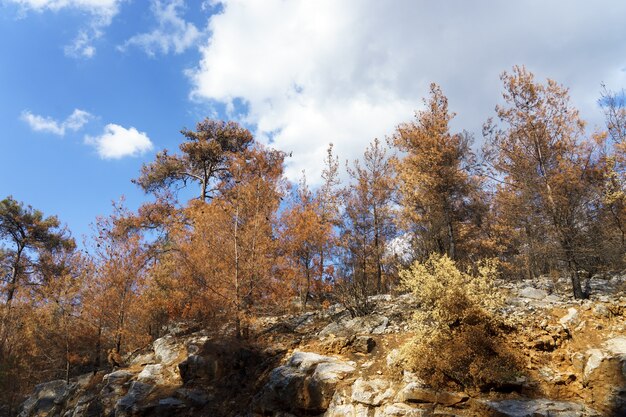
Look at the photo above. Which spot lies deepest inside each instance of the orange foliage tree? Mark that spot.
(440, 195)
(542, 155)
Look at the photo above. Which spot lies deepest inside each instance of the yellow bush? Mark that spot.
(458, 332)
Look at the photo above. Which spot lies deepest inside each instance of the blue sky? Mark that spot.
(91, 89)
(60, 174)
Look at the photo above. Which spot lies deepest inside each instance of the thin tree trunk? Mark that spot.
(237, 283)
(450, 230)
(98, 347)
(377, 250)
(577, 289)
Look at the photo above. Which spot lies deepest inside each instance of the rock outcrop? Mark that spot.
(326, 363)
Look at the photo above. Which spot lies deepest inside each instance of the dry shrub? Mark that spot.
(459, 334)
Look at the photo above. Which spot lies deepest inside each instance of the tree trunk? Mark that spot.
(98, 348)
(304, 296)
(237, 300)
(450, 230)
(577, 288)
(377, 250)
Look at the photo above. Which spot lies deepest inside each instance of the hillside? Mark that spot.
(326, 363)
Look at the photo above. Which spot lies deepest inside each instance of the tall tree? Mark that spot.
(540, 151)
(371, 194)
(205, 155)
(303, 233)
(327, 200)
(120, 262)
(614, 198)
(367, 227)
(436, 186)
(29, 242)
(26, 236)
(229, 254)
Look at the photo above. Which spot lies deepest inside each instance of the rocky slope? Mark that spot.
(325, 363)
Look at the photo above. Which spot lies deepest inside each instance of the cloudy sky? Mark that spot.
(91, 89)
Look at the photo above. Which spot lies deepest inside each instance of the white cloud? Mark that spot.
(118, 142)
(173, 33)
(311, 73)
(101, 14)
(74, 122)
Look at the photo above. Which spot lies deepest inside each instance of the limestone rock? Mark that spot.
(568, 320)
(47, 399)
(371, 392)
(158, 374)
(416, 392)
(305, 384)
(533, 293)
(142, 359)
(371, 324)
(604, 376)
(539, 408)
(168, 349)
(402, 410)
(130, 402)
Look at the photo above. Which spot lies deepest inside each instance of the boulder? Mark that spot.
(128, 404)
(305, 384)
(142, 359)
(158, 374)
(47, 399)
(168, 350)
(604, 375)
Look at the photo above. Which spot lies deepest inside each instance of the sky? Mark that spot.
(91, 89)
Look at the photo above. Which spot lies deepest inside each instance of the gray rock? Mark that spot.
(540, 408)
(197, 367)
(171, 402)
(393, 357)
(196, 397)
(47, 398)
(416, 392)
(305, 384)
(117, 377)
(371, 324)
(168, 349)
(143, 359)
(533, 293)
(371, 392)
(569, 320)
(152, 374)
(600, 310)
(131, 401)
(363, 344)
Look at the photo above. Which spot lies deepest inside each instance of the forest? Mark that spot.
(541, 195)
